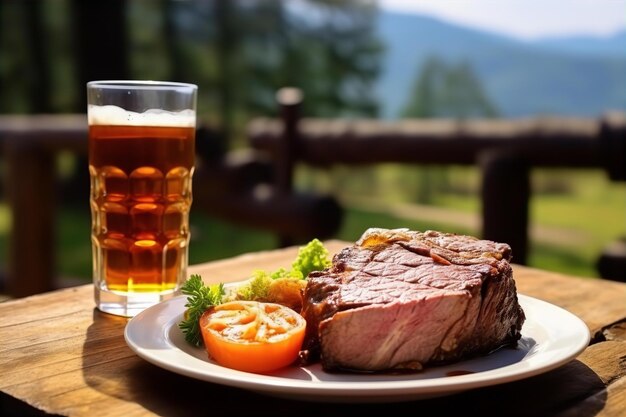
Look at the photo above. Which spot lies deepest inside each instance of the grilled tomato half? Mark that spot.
(252, 336)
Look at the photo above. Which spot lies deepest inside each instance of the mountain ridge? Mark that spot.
(522, 78)
(611, 45)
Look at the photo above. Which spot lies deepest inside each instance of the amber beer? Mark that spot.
(141, 167)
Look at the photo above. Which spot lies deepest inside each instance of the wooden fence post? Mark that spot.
(32, 266)
(505, 196)
(612, 261)
(613, 145)
(290, 100)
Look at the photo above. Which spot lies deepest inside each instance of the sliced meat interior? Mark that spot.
(401, 299)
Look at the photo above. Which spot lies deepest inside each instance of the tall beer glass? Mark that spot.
(141, 162)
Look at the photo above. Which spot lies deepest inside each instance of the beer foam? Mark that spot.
(117, 116)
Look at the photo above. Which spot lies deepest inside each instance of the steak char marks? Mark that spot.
(400, 299)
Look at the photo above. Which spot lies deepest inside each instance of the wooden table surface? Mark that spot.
(60, 355)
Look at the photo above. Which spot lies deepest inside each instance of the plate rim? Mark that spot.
(163, 317)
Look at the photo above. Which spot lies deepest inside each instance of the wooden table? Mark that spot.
(60, 355)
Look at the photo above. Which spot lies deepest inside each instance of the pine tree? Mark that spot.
(444, 90)
(448, 90)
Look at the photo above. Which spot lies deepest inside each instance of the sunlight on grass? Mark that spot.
(580, 203)
(5, 219)
(358, 220)
(595, 205)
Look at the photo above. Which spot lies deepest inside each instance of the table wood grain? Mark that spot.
(60, 355)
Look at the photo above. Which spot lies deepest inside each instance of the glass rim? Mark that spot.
(144, 84)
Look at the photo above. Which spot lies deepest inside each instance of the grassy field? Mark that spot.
(574, 214)
(579, 212)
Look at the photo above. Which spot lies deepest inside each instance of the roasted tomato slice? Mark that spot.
(252, 336)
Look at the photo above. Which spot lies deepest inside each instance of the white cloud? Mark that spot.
(527, 19)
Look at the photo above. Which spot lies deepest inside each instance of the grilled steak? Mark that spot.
(403, 299)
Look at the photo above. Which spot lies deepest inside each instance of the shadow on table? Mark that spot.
(114, 370)
(12, 407)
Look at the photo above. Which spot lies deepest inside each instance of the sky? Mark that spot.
(524, 19)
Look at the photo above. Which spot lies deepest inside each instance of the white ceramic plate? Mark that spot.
(551, 337)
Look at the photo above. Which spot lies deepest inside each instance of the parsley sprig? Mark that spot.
(199, 298)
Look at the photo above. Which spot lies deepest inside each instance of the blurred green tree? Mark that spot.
(447, 90)
(326, 48)
(443, 89)
(239, 52)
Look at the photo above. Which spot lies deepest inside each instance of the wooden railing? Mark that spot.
(505, 151)
(237, 187)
